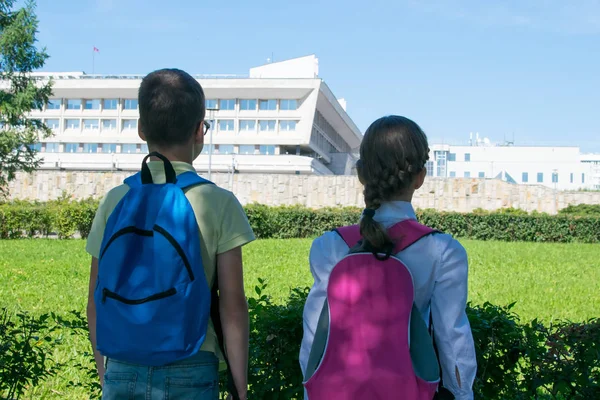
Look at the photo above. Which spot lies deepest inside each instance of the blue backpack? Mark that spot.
(153, 301)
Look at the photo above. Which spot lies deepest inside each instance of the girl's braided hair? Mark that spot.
(393, 152)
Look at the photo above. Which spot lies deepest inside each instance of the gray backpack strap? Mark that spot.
(422, 353)
(319, 342)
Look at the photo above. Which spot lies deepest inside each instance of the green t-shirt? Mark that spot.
(222, 221)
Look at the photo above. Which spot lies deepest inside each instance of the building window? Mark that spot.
(288, 104)
(247, 149)
(540, 177)
(525, 177)
(129, 124)
(268, 105)
(54, 104)
(51, 148)
(440, 158)
(130, 104)
(71, 147)
(287, 125)
(582, 178)
(90, 147)
(72, 124)
(482, 174)
(211, 104)
(572, 177)
(227, 104)
(268, 150)
(467, 157)
(247, 125)
(225, 125)
(452, 174)
(225, 149)
(53, 124)
(110, 104)
(264, 126)
(37, 147)
(206, 148)
(248, 105)
(73, 104)
(91, 104)
(109, 148)
(109, 124)
(429, 166)
(144, 148)
(554, 177)
(90, 124)
(129, 148)
(451, 156)
(467, 174)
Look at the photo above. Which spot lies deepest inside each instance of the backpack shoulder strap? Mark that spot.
(189, 179)
(407, 232)
(350, 234)
(134, 180)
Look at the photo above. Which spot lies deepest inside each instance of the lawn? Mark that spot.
(548, 281)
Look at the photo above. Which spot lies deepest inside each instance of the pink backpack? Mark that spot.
(371, 341)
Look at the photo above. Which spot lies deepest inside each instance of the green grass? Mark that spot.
(548, 281)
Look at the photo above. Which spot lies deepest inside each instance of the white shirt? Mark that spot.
(439, 266)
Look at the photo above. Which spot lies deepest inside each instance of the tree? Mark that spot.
(19, 91)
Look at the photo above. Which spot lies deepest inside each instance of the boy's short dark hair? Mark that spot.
(172, 106)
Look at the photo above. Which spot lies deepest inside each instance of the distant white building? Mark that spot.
(562, 168)
(281, 118)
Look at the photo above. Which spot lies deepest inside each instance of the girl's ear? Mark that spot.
(420, 178)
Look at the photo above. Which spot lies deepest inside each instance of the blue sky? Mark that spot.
(525, 67)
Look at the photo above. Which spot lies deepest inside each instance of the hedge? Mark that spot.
(65, 218)
(515, 359)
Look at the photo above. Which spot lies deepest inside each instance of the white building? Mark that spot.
(562, 168)
(281, 118)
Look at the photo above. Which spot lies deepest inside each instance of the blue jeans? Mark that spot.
(195, 378)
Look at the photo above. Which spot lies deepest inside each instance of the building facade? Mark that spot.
(561, 168)
(280, 118)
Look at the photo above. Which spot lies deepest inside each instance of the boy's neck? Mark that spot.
(173, 155)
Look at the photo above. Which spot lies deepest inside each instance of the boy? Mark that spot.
(172, 111)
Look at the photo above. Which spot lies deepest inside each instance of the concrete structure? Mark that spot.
(281, 118)
(461, 195)
(559, 168)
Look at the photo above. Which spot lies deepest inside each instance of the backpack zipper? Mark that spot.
(107, 293)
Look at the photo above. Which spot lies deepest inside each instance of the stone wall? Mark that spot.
(462, 195)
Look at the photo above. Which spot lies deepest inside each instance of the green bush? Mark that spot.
(26, 345)
(65, 218)
(581, 210)
(515, 360)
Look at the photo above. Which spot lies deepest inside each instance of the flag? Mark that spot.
(96, 49)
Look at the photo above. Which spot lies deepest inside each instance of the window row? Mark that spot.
(524, 176)
(252, 104)
(129, 148)
(245, 149)
(452, 157)
(92, 104)
(135, 148)
(250, 125)
(92, 124)
(554, 175)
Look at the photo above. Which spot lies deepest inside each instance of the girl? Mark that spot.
(393, 155)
